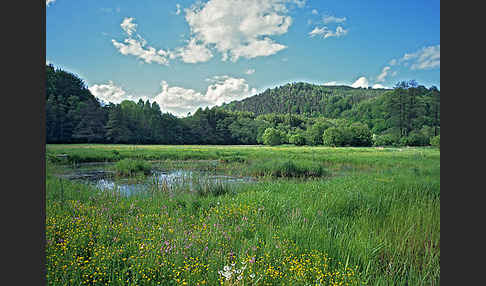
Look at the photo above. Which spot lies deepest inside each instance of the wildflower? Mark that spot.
(252, 275)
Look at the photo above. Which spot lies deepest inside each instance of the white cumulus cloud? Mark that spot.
(138, 47)
(109, 92)
(377, 85)
(240, 28)
(384, 72)
(361, 82)
(193, 53)
(326, 33)
(49, 2)
(179, 100)
(423, 59)
(128, 26)
(234, 28)
(250, 71)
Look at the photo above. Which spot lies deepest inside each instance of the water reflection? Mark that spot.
(105, 180)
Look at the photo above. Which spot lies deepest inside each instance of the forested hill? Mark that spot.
(305, 98)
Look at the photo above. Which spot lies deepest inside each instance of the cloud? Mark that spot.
(377, 85)
(332, 19)
(109, 92)
(178, 7)
(360, 82)
(426, 58)
(334, 83)
(227, 89)
(49, 2)
(128, 26)
(193, 53)
(234, 28)
(250, 71)
(423, 59)
(314, 12)
(326, 33)
(384, 72)
(138, 47)
(179, 100)
(240, 28)
(300, 3)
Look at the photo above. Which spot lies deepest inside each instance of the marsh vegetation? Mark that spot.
(308, 216)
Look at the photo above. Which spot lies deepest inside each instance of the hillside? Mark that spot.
(304, 98)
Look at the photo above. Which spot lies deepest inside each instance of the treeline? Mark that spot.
(407, 115)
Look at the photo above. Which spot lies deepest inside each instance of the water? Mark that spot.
(99, 175)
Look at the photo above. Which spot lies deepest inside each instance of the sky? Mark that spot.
(186, 54)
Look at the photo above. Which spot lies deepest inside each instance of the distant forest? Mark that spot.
(295, 113)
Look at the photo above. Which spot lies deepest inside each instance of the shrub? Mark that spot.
(435, 141)
(385, 140)
(297, 139)
(272, 137)
(130, 167)
(360, 135)
(414, 139)
(314, 133)
(335, 136)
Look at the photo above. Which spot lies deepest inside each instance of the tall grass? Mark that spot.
(286, 168)
(131, 167)
(377, 223)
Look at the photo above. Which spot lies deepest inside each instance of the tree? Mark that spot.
(272, 137)
(315, 131)
(335, 137)
(297, 139)
(360, 134)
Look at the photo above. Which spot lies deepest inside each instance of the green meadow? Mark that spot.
(313, 216)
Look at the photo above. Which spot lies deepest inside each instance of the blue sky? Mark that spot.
(186, 54)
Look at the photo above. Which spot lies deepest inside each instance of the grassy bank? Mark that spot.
(376, 221)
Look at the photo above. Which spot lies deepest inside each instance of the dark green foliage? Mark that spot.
(315, 131)
(435, 141)
(360, 135)
(73, 114)
(414, 139)
(306, 99)
(272, 137)
(335, 137)
(385, 140)
(357, 134)
(297, 139)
